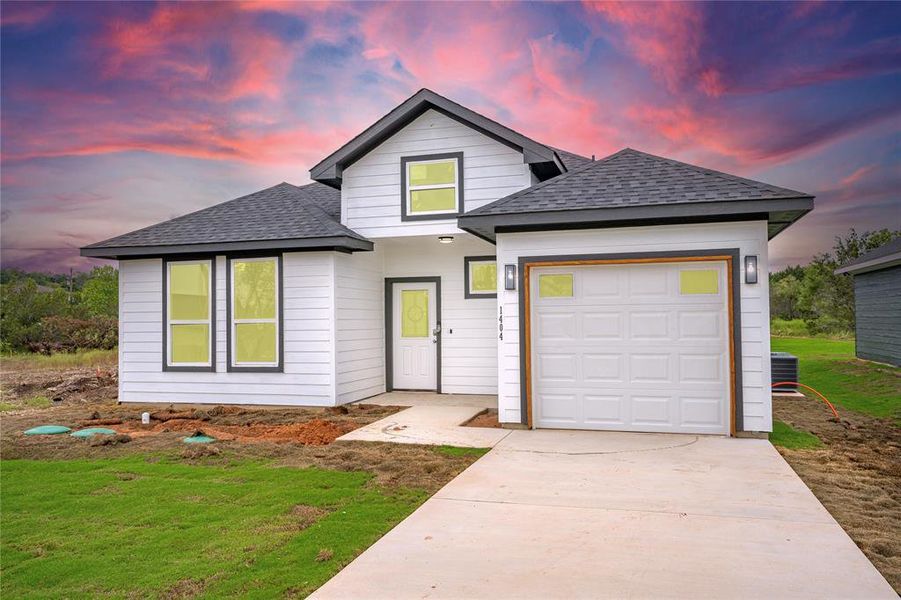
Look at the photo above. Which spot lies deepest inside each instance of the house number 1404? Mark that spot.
(500, 322)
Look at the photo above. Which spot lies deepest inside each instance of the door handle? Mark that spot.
(436, 332)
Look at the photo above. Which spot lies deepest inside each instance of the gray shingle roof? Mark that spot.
(571, 160)
(281, 212)
(633, 178)
(879, 258)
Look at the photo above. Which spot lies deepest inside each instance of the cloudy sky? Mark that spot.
(117, 116)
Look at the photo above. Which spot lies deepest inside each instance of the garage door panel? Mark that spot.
(629, 351)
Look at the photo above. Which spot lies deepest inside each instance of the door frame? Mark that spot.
(733, 286)
(389, 327)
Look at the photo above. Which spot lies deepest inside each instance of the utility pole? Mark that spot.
(70, 285)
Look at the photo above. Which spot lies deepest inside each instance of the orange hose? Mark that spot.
(807, 387)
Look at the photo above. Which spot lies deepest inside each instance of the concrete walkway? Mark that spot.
(434, 419)
(553, 514)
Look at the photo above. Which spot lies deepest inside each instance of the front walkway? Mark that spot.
(553, 514)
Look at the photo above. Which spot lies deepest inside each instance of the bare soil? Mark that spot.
(486, 418)
(856, 475)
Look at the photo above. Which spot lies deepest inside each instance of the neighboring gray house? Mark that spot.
(877, 303)
(440, 250)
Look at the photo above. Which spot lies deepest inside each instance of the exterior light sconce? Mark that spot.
(446, 239)
(509, 277)
(751, 269)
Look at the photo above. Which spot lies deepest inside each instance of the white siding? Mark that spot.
(750, 238)
(370, 190)
(309, 348)
(469, 329)
(360, 310)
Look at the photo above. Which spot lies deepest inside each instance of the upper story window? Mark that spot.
(431, 186)
(255, 314)
(189, 331)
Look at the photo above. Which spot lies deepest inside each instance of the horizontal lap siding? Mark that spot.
(750, 238)
(878, 308)
(308, 377)
(360, 334)
(469, 326)
(370, 190)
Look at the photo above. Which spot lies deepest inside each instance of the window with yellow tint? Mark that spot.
(555, 285)
(189, 314)
(698, 281)
(431, 185)
(254, 299)
(481, 276)
(414, 306)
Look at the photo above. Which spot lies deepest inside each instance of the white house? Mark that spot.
(439, 250)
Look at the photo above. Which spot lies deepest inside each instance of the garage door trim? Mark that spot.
(729, 255)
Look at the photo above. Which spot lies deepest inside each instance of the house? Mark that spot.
(877, 303)
(440, 250)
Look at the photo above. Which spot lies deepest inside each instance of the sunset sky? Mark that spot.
(117, 116)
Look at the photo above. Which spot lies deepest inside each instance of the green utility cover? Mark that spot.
(83, 433)
(47, 430)
(199, 439)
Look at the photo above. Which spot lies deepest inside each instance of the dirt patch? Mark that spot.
(487, 418)
(856, 475)
(68, 386)
(184, 588)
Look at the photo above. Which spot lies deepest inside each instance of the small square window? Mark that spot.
(431, 186)
(480, 275)
(555, 285)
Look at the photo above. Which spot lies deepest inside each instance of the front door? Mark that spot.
(415, 336)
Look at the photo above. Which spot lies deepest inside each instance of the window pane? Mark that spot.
(255, 343)
(190, 343)
(430, 200)
(189, 288)
(483, 277)
(432, 173)
(699, 282)
(555, 286)
(414, 307)
(255, 289)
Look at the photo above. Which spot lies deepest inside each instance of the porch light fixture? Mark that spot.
(751, 268)
(509, 277)
(446, 239)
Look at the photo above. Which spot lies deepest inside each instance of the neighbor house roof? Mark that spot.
(632, 186)
(544, 161)
(883, 257)
(284, 216)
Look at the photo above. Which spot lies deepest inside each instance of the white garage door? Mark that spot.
(631, 347)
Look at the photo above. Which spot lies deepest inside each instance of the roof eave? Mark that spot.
(341, 243)
(877, 264)
(779, 213)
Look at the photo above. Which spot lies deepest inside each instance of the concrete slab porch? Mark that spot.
(553, 514)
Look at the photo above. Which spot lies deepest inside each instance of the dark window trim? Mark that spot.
(737, 269)
(470, 259)
(389, 327)
(280, 368)
(212, 366)
(403, 187)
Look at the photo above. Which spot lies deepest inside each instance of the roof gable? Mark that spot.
(543, 160)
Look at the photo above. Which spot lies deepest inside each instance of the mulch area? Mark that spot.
(856, 475)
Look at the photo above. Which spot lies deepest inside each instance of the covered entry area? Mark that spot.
(631, 344)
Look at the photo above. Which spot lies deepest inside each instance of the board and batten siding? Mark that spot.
(370, 189)
(877, 299)
(468, 326)
(748, 237)
(309, 333)
(360, 331)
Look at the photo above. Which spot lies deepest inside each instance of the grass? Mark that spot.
(155, 526)
(788, 437)
(62, 360)
(830, 367)
(458, 451)
(33, 402)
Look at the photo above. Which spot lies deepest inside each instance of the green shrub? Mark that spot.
(789, 328)
(66, 334)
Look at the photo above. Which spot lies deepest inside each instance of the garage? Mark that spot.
(631, 346)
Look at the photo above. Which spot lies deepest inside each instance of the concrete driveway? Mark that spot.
(554, 514)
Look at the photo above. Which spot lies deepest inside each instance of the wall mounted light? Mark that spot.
(446, 239)
(751, 269)
(509, 277)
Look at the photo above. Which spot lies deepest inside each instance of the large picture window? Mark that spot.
(254, 309)
(189, 327)
(480, 276)
(432, 186)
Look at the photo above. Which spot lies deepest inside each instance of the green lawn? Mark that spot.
(152, 526)
(830, 367)
(788, 437)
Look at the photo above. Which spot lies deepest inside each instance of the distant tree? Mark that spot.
(784, 293)
(100, 293)
(22, 308)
